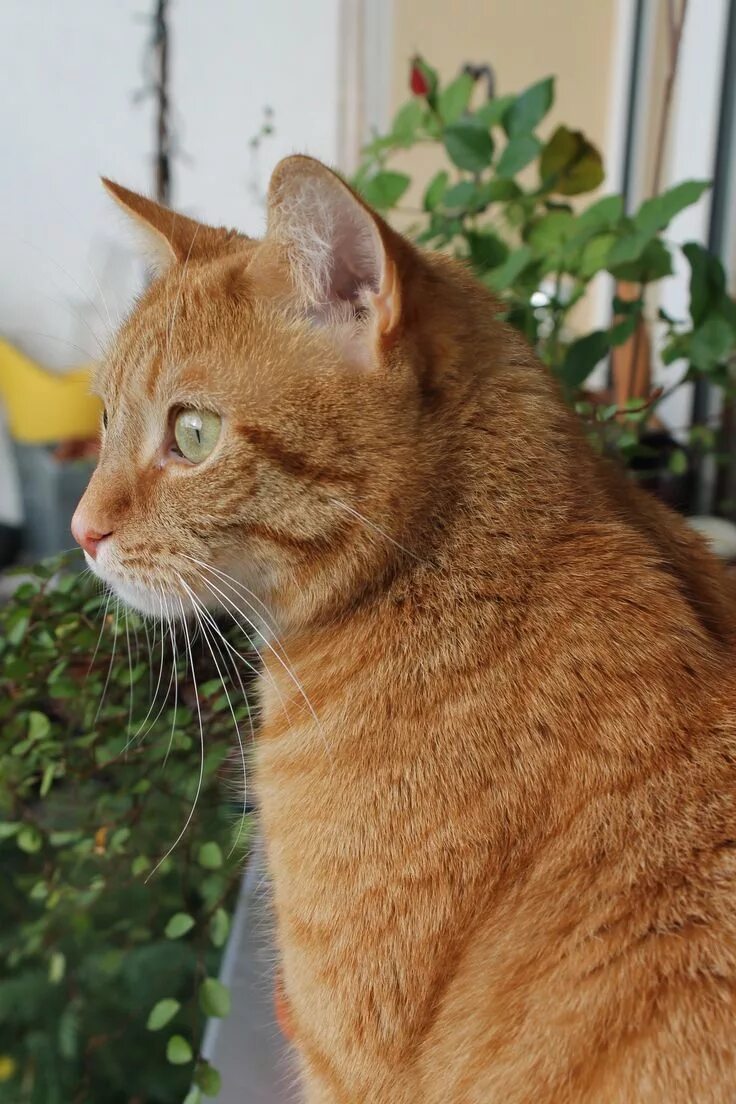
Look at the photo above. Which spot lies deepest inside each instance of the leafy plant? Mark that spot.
(506, 201)
(108, 955)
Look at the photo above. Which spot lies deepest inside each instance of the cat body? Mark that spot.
(504, 857)
(495, 763)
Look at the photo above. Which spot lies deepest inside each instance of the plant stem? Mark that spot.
(675, 29)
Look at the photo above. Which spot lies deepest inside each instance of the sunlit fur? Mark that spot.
(496, 756)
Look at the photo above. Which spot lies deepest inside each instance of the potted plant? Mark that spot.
(510, 204)
(116, 893)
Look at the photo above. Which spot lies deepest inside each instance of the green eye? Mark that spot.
(196, 433)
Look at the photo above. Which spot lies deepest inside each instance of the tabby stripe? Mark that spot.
(286, 540)
(293, 463)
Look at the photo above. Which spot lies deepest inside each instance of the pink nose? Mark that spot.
(89, 539)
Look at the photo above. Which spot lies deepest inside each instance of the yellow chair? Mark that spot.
(45, 407)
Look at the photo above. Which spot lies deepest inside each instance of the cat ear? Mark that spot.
(168, 236)
(341, 253)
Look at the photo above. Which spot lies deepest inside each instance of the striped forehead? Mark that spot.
(158, 348)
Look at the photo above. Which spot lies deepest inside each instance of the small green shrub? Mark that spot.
(108, 965)
(505, 201)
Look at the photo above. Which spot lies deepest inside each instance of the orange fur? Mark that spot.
(502, 834)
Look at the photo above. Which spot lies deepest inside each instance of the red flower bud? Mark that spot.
(417, 79)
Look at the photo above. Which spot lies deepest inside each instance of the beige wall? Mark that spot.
(523, 41)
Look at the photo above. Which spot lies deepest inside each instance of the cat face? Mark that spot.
(258, 414)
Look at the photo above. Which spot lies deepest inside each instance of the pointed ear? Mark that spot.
(341, 252)
(168, 237)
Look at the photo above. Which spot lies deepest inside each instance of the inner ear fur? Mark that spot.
(341, 252)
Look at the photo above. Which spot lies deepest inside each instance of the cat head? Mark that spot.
(263, 405)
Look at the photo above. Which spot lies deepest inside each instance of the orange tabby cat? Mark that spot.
(496, 757)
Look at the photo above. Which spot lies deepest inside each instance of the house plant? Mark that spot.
(108, 955)
(510, 203)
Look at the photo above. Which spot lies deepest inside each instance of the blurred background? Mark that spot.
(195, 104)
(580, 156)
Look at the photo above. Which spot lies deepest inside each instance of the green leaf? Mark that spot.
(178, 1050)
(469, 145)
(162, 1013)
(407, 122)
(712, 343)
(214, 998)
(657, 212)
(385, 189)
(57, 967)
(604, 214)
(595, 254)
(678, 463)
(68, 1032)
(460, 196)
(504, 276)
(194, 1096)
(491, 114)
(210, 687)
(652, 263)
(455, 97)
(528, 109)
(18, 625)
(628, 248)
(47, 779)
(624, 329)
(582, 356)
(549, 233)
(570, 164)
(65, 584)
(39, 726)
(487, 250)
(435, 190)
(520, 150)
(707, 280)
(210, 856)
(219, 927)
(207, 1078)
(179, 924)
(140, 865)
(497, 190)
(29, 839)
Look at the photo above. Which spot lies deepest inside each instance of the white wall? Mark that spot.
(231, 59)
(692, 156)
(68, 74)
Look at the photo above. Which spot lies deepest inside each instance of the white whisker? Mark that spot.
(102, 629)
(258, 672)
(269, 619)
(376, 528)
(112, 660)
(67, 273)
(111, 324)
(130, 675)
(175, 672)
(142, 725)
(237, 588)
(196, 603)
(264, 673)
(201, 747)
(287, 668)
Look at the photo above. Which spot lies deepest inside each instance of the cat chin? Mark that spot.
(137, 597)
(143, 601)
